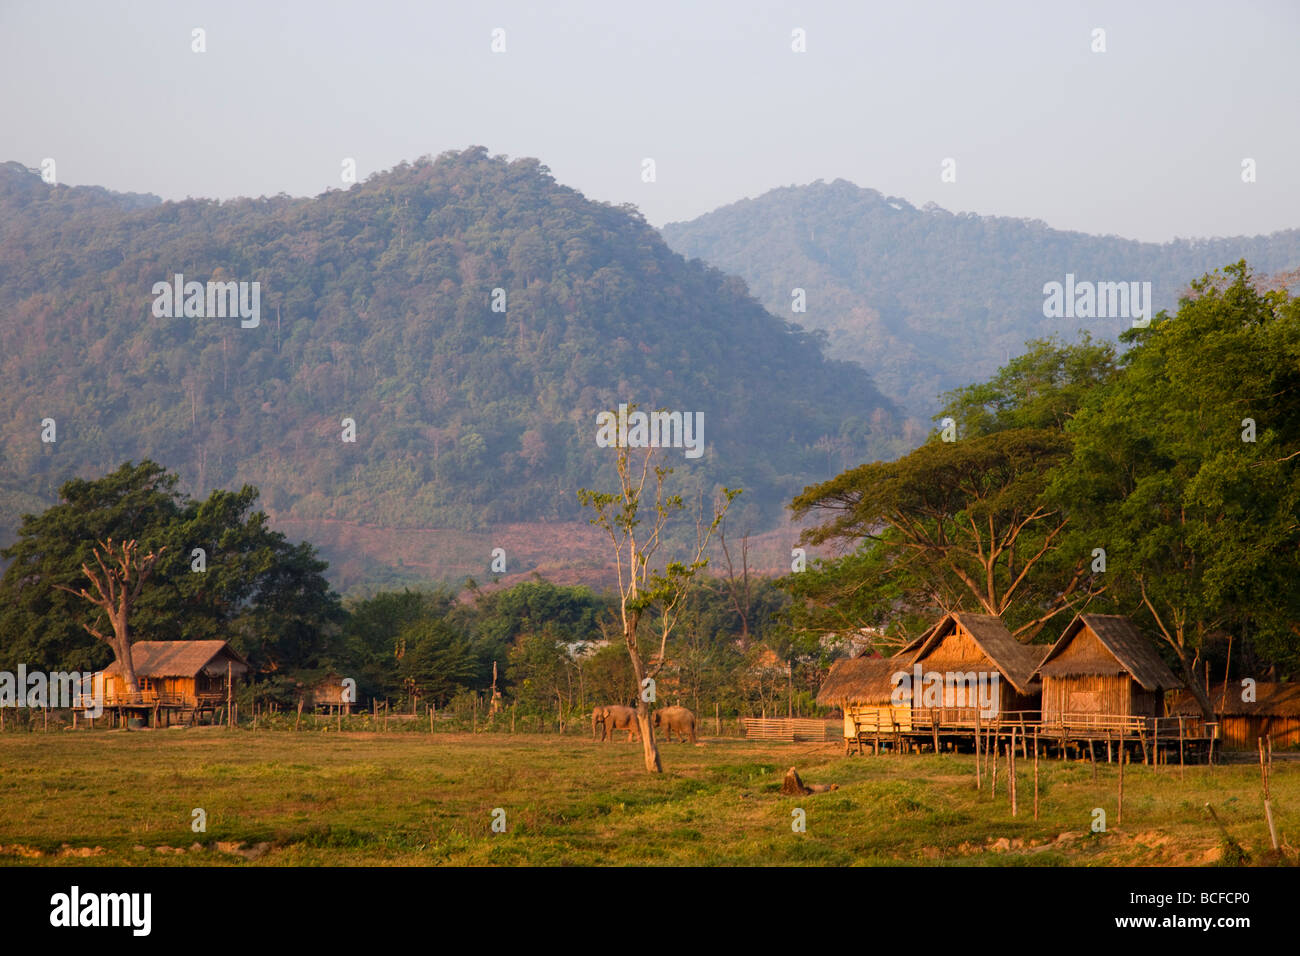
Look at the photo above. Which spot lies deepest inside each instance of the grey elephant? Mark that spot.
(612, 717)
(677, 719)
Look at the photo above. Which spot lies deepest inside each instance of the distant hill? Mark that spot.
(928, 300)
(376, 305)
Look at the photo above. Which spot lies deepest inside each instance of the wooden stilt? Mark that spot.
(1123, 759)
(1011, 770)
(979, 784)
(993, 777)
(1035, 774)
(1180, 748)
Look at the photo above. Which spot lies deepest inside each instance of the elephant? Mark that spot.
(612, 717)
(677, 719)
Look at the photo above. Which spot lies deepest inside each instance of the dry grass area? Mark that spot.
(324, 798)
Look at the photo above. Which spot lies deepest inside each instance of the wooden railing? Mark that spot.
(144, 698)
(922, 720)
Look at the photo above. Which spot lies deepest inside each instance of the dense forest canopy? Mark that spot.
(929, 300)
(376, 304)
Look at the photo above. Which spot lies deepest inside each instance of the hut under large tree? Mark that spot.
(962, 645)
(1102, 672)
(189, 676)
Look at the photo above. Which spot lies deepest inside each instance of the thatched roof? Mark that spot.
(1271, 700)
(1130, 652)
(862, 680)
(1014, 661)
(182, 659)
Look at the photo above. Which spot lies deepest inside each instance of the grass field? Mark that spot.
(418, 799)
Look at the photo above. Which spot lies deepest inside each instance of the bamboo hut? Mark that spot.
(330, 694)
(863, 689)
(1275, 713)
(1103, 673)
(962, 645)
(175, 675)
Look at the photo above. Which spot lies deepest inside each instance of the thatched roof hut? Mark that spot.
(1275, 712)
(1102, 671)
(862, 680)
(181, 672)
(964, 642)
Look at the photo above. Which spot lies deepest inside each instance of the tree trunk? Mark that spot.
(1194, 685)
(649, 749)
(122, 651)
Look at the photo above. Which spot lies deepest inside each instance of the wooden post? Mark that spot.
(717, 718)
(1035, 773)
(385, 715)
(979, 783)
(512, 716)
(338, 723)
(430, 718)
(1123, 759)
(1155, 741)
(1268, 805)
(1108, 745)
(297, 722)
(230, 717)
(1180, 748)
(1092, 757)
(1011, 770)
(993, 777)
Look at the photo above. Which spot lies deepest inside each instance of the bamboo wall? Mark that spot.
(1109, 694)
(1240, 732)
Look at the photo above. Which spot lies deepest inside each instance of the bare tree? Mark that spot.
(640, 588)
(739, 591)
(114, 590)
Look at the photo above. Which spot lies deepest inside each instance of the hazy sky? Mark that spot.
(1145, 140)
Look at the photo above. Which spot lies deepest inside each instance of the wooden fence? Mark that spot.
(790, 728)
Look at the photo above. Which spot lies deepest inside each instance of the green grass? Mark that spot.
(412, 799)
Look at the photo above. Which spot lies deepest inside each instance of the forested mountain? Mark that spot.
(929, 300)
(376, 304)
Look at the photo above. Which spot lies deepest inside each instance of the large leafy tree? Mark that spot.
(249, 585)
(959, 523)
(1183, 470)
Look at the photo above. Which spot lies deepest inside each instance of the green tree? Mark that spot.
(249, 585)
(1183, 470)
